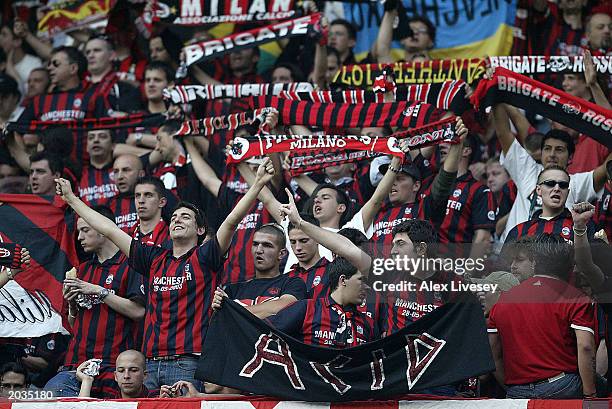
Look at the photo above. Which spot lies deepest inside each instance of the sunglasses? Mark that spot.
(552, 183)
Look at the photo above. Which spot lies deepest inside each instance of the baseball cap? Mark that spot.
(504, 280)
(8, 86)
(408, 169)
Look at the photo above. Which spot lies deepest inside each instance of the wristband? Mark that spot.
(394, 170)
(579, 232)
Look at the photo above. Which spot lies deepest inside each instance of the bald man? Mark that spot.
(130, 373)
(599, 32)
(127, 170)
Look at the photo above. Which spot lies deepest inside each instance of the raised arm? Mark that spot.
(372, 206)
(521, 123)
(581, 214)
(98, 222)
(205, 173)
(600, 176)
(266, 196)
(337, 243)
(265, 173)
(385, 36)
(590, 76)
(502, 126)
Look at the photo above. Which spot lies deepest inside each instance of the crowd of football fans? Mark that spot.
(166, 230)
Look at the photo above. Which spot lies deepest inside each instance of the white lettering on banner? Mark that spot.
(293, 27)
(533, 64)
(26, 314)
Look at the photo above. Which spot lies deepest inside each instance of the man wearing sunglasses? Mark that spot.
(554, 218)
(557, 149)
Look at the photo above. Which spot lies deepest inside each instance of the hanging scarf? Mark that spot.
(524, 92)
(449, 95)
(184, 94)
(208, 126)
(88, 124)
(207, 50)
(343, 115)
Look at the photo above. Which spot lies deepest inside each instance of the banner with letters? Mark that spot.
(41, 225)
(210, 49)
(199, 12)
(522, 92)
(446, 346)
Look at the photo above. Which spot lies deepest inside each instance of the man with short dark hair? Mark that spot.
(68, 100)
(180, 281)
(150, 198)
(417, 36)
(557, 149)
(112, 96)
(547, 309)
(9, 99)
(97, 184)
(270, 291)
(343, 37)
(105, 305)
(44, 169)
(13, 377)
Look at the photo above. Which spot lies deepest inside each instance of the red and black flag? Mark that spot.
(243, 352)
(42, 225)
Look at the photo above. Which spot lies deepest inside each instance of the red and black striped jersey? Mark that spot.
(179, 296)
(404, 307)
(260, 290)
(315, 278)
(323, 322)
(240, 265)
(561, 224)
(63, 106)
(111, 95)
(386, 219)
(603, 212)
(470, 207)
(130, 69)
(123, 206)
(97, 186)
(159, 236)
(101, 332)
(552, 36)
(505, 198)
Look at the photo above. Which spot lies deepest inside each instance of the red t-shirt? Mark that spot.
(589, 154)
(536, 322)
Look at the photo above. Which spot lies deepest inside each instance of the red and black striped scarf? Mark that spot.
(449, 95)
(210, 125)
(515, 89)
(314, 152)
(88, 124)
(184, 94)
(344, 115)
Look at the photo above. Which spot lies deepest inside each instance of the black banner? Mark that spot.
(524, 92)
(206, 50)
(446, 346)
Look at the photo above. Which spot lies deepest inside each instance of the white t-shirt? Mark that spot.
(524, 171)
(355, 223)
(24, 67)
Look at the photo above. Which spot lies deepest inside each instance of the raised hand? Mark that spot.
(590, 74)
(581, 214)
(290, 210)
(64, 190)
(218, 298)
(265, 172)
